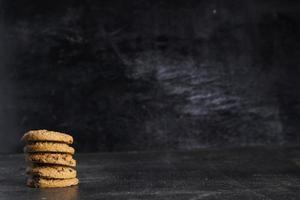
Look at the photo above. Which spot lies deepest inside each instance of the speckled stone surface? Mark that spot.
(260, 173)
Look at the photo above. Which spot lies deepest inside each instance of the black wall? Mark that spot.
(139, 75)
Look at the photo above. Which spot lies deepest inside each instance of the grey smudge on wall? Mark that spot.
(210, 99)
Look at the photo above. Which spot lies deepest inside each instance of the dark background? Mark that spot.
(124, 75)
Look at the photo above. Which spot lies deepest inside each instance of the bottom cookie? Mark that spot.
(38, 182)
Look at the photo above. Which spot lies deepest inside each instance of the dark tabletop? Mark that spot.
(267, 173)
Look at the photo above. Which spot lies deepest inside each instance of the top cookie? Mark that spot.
(45, 135)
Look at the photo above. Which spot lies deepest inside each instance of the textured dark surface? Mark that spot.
(262, 173)
(141, 75)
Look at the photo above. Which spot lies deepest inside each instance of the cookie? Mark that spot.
(38, 182)
(48, 147)
(45, 135)
(51, 158)
(56, 172)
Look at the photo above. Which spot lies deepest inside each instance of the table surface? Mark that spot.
(268, 173)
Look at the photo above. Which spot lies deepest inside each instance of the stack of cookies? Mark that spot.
(50, 159)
